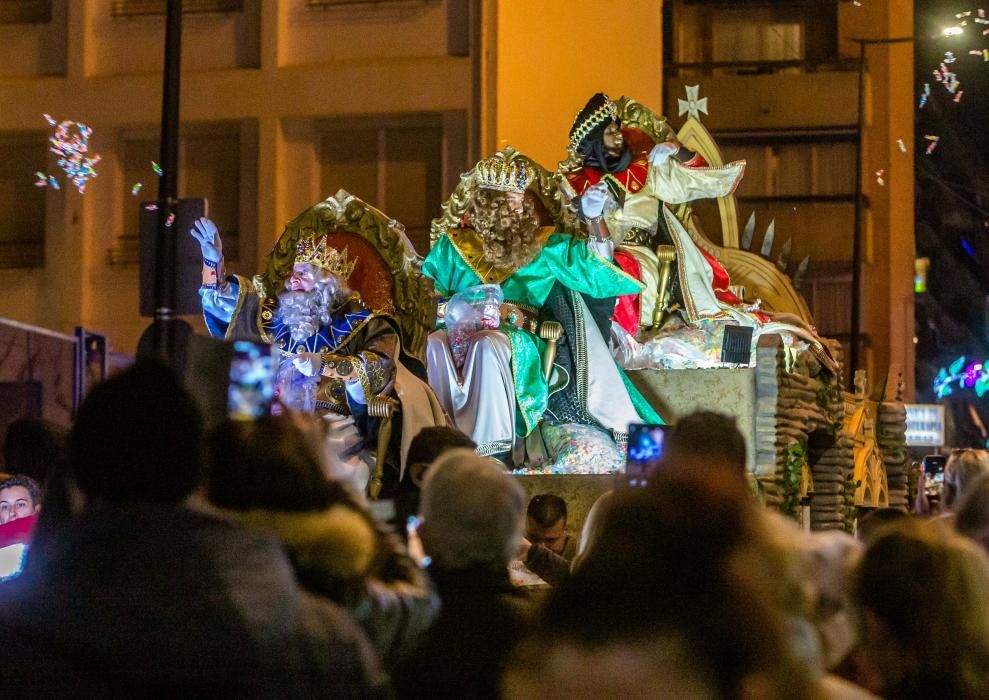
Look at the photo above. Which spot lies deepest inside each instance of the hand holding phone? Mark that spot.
(646, 444)
(252, 380)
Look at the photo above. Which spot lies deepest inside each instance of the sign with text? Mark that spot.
(925, 425)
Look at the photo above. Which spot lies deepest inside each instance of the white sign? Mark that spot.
(925, 425)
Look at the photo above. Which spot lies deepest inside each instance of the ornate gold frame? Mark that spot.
(542, 183)
(412, 292)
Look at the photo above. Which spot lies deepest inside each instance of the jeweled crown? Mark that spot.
(495, 174)
(587, 120)
(315, 252)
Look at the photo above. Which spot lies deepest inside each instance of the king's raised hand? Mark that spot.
(210, 246)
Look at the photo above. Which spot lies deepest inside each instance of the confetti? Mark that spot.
(151, 207)
(136, 188)
(949, 57)
(53, 182)
(70, 142)
(933, 143)
(968, 248)
(966, 13)
(879, 177)
(170, 220)
(156, 168)
(902, 146)
(958, 97)
(41, 181)
(926, 94)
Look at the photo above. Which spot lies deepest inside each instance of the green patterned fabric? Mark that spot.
(562, 259)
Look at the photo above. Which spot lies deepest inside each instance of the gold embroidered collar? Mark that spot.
(468, 245)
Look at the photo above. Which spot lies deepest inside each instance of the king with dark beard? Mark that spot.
(496, 389)
(334, 352)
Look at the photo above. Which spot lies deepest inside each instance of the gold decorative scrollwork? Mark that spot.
(412, 293)
(542, 183)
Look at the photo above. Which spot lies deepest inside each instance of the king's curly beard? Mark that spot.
(509, 238)
(304, 313)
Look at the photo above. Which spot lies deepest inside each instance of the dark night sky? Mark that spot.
(952, 209)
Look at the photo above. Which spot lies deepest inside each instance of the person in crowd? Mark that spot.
(472, 526)
(681, 608)
(267, 474)
(142, 595)
(875, 521)
(20, 497)
(924, 623)
(32, 447)
(972, 519)
(963, 468)
(428, 445)
(547, 548)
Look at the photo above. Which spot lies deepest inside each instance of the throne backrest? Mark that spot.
(387, 274)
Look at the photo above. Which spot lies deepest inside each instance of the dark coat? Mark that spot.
(154, 599)
(465, 651)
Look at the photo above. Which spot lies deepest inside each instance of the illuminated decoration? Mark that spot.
(958, 377)
(925, 425)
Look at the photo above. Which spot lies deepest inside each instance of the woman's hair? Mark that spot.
(922, 591)
(509, 238)
(963, 468)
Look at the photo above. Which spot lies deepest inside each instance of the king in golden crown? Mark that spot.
(317, 253)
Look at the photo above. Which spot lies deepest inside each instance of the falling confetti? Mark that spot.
(170, 220)
(150, 207)
(925, 95)
(156, 168)
(949, 57)
(136, 188)
(70, 143)
(54, 183)
(958, 97)
(966, 13)
(902, 146)
(933, 143)
(879, 177)
(41, 181)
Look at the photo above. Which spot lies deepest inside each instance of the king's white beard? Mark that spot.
(305, 312)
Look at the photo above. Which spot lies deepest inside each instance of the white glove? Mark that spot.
(593, 200)
(661, 152)
(209, 240)
(308, 363)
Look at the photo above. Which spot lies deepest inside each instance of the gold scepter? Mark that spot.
(666, 254)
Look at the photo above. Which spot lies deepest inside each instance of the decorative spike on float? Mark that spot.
(798, 276)
(784, 258)
(748, 233)
(768, 239)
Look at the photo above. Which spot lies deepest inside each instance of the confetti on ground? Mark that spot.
(151, 207)
(70, 143)
(170, 220)
(879, 177)
(136, 188)
(156, 168)
(902, 146)
(933, 143)
(54, 183)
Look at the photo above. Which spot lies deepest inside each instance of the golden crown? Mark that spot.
(607, 111)
(495, 174)
(317, 253)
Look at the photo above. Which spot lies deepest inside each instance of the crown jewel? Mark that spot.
(495, 174)
(315, 252)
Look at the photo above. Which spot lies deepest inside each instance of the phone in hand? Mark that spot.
(934, 474)
(252, 380)
(646, 443)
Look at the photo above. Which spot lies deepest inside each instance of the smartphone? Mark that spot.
(934, 473)
(645, 450)
(252, 380)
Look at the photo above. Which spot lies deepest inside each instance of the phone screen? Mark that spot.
(645, 449)
(252, 380)
(934, 473)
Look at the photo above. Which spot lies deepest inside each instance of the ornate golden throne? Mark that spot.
(759, 277)
(387, 276)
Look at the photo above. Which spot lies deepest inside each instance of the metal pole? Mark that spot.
(165, 250)
(856, 321)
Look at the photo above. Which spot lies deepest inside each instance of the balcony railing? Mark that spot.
(678, 69)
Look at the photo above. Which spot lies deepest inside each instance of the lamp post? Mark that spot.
(856, 320)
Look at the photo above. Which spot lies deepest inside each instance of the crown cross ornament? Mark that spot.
(317, 253)
(496, 174)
